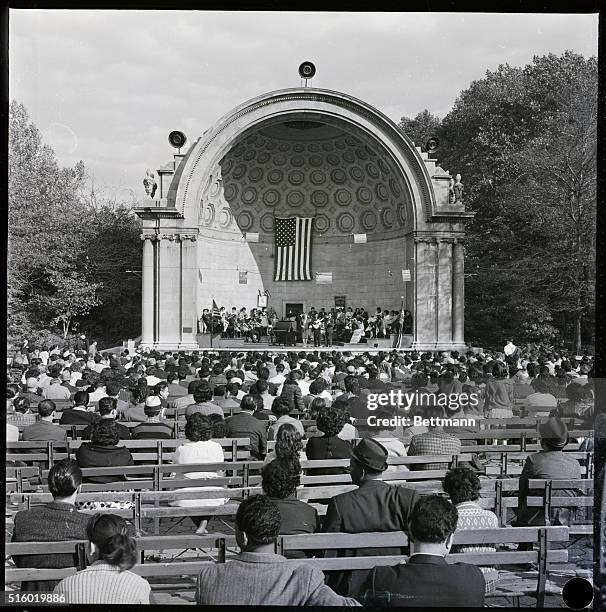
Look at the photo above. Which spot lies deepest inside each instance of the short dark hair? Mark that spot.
(203, 394)
(280, 479)
(280, 406)
(218, 424)
(46, 408)
(198, 428)
(260, 519)
(433, 519)
(104, 432)
(109, 533)
(499, 369)
(81, 398)
(462, 484)
(113, 388)
(107, 404)
(261, 386)
(64, 478)
(248, 403)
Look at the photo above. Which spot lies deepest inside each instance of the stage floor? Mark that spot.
(228, 344)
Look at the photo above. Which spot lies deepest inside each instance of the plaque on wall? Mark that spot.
(340, 301)
(243, 278)
(261, 301)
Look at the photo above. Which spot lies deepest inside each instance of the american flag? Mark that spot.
(293, 249)
(215, 311)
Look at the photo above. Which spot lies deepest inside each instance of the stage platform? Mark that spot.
(236, 344)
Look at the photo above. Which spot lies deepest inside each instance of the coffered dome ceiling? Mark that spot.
(310, 169)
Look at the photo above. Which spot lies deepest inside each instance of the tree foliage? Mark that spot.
(524, 140)
(420, 128)
(58, 244)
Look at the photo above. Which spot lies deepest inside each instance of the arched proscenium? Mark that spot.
(324, 105)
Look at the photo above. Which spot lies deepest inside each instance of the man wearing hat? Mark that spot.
(154, 427)
(373, 506)
(548, 463)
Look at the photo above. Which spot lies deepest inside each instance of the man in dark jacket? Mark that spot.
(108, 410)
(427, 579)
(374, 506)
(79, 414)
(548, 463)
(53, 522)
(245, 425)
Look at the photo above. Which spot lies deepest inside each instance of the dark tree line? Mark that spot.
(68, 253)
(524, 140)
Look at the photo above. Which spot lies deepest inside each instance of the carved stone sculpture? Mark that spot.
(458, 190)
(149, 182)
(451, 193)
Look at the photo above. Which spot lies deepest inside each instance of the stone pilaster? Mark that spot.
(147, 291)
(458, 293)
(444, 302)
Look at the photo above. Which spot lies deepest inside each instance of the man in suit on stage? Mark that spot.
(427, 579)
(374, 506)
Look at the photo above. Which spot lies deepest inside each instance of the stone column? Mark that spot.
(445, 287)
(169, 292)
(147, 291)
(426, 284)
(458, 293)
(189, 282)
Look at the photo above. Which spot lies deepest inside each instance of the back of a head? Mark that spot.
(46, 408)
(261, 386)
(259, 518)
(280, 477)
(21, 404)
(248, 403)
(198, 428)
(109, 534)
(288, 442)
(280, 407)
(64, 478)
(433, 519)
(106, 405)
(104, 432)
(331, 420)
(462, 485)
(81, 398)
(202, 394)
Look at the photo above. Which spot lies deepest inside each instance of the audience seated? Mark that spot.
(44, 429)
(108, 579)
(435, 442)
(281, 477)
(53, 522)
(103, 451)
(108, 409)
(198, 449)
(330, 421)
(291, 392)
(257, 575)
(203, 404)
(373, 506)
(463, 487)
(154, 427)
(79, 414)
(548, 463)
(427, 579)
(281, 410)
(245, 425)
(289, 445)
(22, 415)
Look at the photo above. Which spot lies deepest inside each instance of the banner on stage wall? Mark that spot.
(243, 278)
(406, 275)
(261, 301)
(324, 278)
(340, 301)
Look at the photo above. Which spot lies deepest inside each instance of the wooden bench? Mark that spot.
(541, 536)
